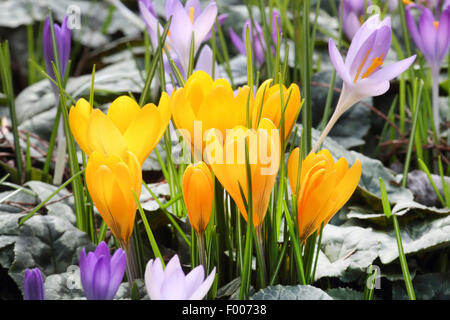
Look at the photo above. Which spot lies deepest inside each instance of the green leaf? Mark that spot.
(300, 292)
(432, 286)
(345, 294)
(347, 251)
(48, 242)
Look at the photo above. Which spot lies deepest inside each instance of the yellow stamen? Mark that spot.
(378, 61)
(436, 24)
(191, 14)
(406, 2)
(361, 66)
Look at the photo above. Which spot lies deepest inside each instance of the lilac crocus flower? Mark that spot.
(186, 20)
(432, 38)
(172, 284)
(100, 274)
(257, 38)
(361, 73)
(34, 285)
(62, 37)
(352, 11)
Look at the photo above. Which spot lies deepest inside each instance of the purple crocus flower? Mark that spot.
(432, 38)
(186, 20)
(258, 44)
(34, 285)
(361, 73)
(100, 274)
(62, 37)
(352, 12)
(172, 284)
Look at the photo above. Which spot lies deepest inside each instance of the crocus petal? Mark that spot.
(195, 4)
(412, 27)
(237, 42)
(276, 18)
(369, 87)
(78, 119)
(360, 59)
(204, 23)
(203, 289)
(142, 134)
(103, 135)
(443, 35)
(361, 36)
(194, 279)
(338, 63)
(173, 266)
(205, 60)
(392, 71)
(101, 277)
(102, 250)
(174, 287)
(350, 24)
(151, 22)
(428, 34)
(122, 112)
(181, 33)
(172, 6)
(47, 47)
(34, 285)
(154, 276)
(118, 265)
(86, 273)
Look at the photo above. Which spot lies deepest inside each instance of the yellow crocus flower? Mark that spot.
(324, 187)
(126, 126)
(268, 105)
(198, 194)
(111, 181)
(210, 102)
(228, 163)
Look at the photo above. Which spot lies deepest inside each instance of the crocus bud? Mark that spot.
(100, 274)
(172, 284)
(62, 38)
(227, 160)
(34, 285)
(198, 194)
(111, 182)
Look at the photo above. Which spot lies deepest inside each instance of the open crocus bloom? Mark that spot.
(125, 127)
(207, 104)
(201, 21)
(198, 195)
(101, 274)
(362, 73)
(227, 159)
(111, 181)
(323, 188)
(172, 284)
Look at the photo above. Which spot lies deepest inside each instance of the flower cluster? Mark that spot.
(238, 137)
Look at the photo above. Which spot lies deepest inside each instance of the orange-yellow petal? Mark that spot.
(78, 118)
(103, 136)
(122, 112)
